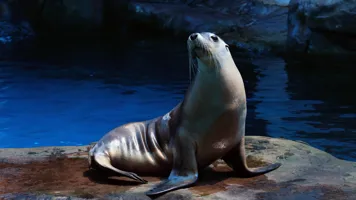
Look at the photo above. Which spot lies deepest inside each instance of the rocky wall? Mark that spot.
(255, 25)
(303, 26)
(322, 27)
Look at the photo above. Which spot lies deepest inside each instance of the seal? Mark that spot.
(207, 125)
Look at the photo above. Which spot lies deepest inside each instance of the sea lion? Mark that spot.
(207, 125)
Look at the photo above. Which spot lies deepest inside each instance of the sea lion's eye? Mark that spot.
(215, 38)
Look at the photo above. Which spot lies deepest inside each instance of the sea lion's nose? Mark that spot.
(193, 36)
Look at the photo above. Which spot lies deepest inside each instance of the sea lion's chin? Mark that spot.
(194, 54)
(199, 53)
(194, 58)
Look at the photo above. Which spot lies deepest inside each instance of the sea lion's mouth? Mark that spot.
(194, 53)
(198, 52)
(194, 57)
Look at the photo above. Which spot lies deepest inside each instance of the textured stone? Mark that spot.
(322, 27)
(13, 36)
(62, 173)
(257, 25)
(74, 14)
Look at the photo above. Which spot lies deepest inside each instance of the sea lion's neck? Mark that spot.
(217, 69)
(220, 81)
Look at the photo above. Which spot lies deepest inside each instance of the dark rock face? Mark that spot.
(322, 27)
(13, 36)
(256, 25)
(306, 26)
(12, 32)
(75, 14)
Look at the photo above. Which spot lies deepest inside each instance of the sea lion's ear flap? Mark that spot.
(227, 46)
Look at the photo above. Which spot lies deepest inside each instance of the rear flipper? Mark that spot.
(104, 161)
(236, 159)
(184, 172)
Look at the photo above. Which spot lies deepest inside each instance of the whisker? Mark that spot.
(192, 64)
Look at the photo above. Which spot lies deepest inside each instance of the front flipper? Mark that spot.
(184, 172)
(236, 159)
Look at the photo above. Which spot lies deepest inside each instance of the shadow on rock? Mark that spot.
(103, 177)
(211, 176)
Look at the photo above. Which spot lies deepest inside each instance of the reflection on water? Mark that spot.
(74, 99)
(297, 108)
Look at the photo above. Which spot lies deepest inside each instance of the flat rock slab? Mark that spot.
(62, 173)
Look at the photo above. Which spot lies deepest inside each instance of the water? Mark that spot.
(75, 97)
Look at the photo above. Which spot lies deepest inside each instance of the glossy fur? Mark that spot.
(209, 124)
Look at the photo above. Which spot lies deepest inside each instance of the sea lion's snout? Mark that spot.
(196, 45)
(193, 36)
(194, 40)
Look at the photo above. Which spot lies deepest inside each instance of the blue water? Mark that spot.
(73, 97)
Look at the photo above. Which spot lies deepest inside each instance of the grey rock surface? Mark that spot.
(322, 27)
(306, 173)
(254, 25)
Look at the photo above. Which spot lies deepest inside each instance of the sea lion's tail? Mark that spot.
(91, 161)
(104, 161)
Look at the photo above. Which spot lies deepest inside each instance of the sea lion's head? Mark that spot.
(206, 51)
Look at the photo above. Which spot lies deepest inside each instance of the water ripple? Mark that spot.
(76, 101)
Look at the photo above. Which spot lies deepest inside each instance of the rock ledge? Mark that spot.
(62, 173)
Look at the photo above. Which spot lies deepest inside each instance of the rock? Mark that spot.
(72, 15)
(13, 33)
(13, 36)
(62, 173)
(5, 11)
(257, 25)
(322, 27)
(72, 19)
